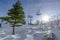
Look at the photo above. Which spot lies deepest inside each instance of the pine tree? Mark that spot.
(16, 16)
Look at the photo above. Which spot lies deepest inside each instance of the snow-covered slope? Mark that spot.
(22, 33)
(57, 33)
(26, 33)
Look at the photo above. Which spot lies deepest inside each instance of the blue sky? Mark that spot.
(51, 7)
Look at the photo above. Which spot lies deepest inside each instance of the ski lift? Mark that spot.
(30, 16)
(30, 19)
(38, 12)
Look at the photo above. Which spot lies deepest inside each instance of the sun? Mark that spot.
(45, 18)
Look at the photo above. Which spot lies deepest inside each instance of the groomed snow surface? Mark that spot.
(26, 33)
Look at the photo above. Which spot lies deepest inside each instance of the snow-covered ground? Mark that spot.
(21, 33)
(26, 33)
(56, 32)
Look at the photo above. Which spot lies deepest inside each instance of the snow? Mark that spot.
(38, 36)
(57, 33)
(21, 33)
(26, 33)
(29, 37)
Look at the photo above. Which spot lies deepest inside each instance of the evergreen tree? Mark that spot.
(16, 16)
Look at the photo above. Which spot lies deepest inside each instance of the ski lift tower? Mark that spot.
(38, 14)
(30, 18)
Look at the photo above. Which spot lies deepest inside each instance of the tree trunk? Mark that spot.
(13, 32)
(14, 28)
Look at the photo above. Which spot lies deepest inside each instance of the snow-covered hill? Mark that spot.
(22, 33)
(56, 32)
(27, 33)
